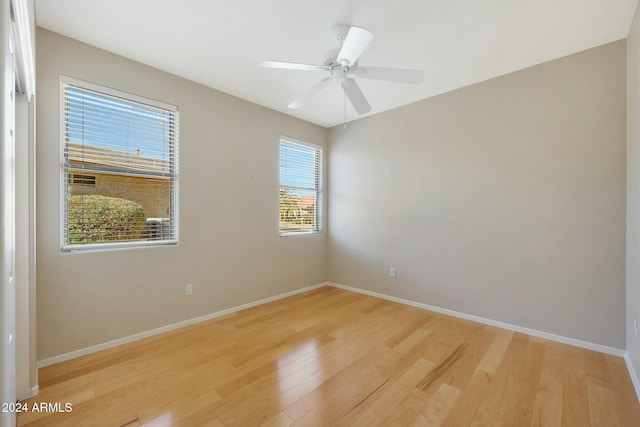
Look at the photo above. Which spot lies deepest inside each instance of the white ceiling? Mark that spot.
(220, 43)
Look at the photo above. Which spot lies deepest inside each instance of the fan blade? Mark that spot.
(301, 100)
(293, 66)
(354, 44)
(356, 96)
(398, 75)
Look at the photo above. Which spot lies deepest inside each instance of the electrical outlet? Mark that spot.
(392, 272)
(189, 289)
(636, 332)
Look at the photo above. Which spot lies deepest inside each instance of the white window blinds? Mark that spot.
(300, 187)
(119, 168)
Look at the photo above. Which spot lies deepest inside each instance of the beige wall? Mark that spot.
(505, 199)
(633, 194)
(229, 248)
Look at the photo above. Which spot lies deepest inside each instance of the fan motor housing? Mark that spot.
(337, 70)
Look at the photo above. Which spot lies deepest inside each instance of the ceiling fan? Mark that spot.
(342, 65)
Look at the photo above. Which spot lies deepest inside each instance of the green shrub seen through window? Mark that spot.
(98, 219)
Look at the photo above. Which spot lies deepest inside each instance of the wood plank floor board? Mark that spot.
(626, 400)
(547, 410)
(350, 373)
(408, 409)
(457, 377)
(527, 375)
(330, 357)
(163, 403)
(477, 345)
(601, 406)
(437, 408)
(252, 406)
(262, 397)
(399, 358)
(405, 332)
(390, 394)
(465, 409)
(279, 420)
(498, 397)
(575, 398)
(494, 355)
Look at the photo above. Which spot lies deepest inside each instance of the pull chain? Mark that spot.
(344, 123)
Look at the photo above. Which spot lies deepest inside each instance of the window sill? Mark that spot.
(99, 247)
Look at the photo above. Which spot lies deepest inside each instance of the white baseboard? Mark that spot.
(546, 335)
(135, 337)
(503, 325)
(635, 378)
(33, 392)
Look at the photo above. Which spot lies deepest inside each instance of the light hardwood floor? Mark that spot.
(329, 357)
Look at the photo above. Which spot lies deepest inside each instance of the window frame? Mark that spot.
(319, 190)
(64, 178)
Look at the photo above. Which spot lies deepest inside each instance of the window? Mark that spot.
(300, 187)
(119, 168)
(89, 180)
